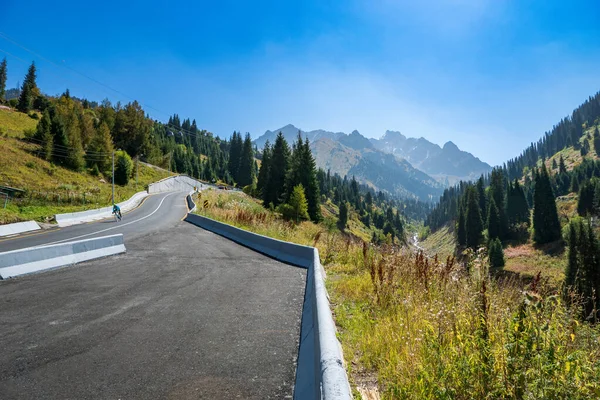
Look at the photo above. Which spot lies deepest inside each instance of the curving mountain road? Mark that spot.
(184, 314)
(156, 212)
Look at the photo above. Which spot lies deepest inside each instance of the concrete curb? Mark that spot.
(320, 373)
(35, 259)
(69, 219)
(19, 227)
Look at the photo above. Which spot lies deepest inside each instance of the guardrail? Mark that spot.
(320, 373)
(69, 219)
(35, 259)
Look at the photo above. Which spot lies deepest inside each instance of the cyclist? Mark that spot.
(117, 211)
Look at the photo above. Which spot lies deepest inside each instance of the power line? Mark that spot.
(13, 41)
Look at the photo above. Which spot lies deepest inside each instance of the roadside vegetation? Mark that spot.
(416, 327)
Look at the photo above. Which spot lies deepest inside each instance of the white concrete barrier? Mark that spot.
(190, 202)
(179, 183)
(320, 373)
(69, 219)
(19, 227)
(35, 259)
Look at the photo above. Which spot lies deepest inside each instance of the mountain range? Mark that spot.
(403, 166)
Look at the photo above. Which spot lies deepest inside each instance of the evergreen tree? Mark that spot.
(100, 149)
(597, 142)
(29, 91)
(343, 216)
(44, 135)
(473, 223)
(546, 225)
(572, 269)
(554, 165)
(496, 254)
(461, 234)
(275, 188)
(246, 164)
(264, 172)
(298, 203)
(498, 193)
(561, 166)
(308, 178)
(493, 222)
(235, 154)
(517, 209)
(482, 198)
(585, 202)
(60, 141)
(3, 78)
(574, 187)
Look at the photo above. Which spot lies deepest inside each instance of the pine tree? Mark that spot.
(343, 216)
(572, 269)
(298, 203)
(264, 172)
(574, 187)
(561, 166)
(308, 178)
(546, 225)
(3, 78)
(29, 91)
(44, 135)
(493, 222)
(60, 141)
(461, 234)
(517, 209)
(498, 193)
(100, 150)
(235, 153)
(275, 188)
(473, 223)
(246, 164)
(585, 202)
(554, 165)
(496, 254)
(482, 198)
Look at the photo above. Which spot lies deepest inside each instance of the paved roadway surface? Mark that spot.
(183, 314)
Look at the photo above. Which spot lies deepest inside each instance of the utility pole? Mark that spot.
(113, 178)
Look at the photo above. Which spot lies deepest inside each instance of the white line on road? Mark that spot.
(114, 227)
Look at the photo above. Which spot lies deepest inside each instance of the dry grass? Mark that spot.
(414, 328)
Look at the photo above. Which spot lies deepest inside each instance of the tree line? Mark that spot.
(82, 135)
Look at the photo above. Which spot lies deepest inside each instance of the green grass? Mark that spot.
(442, 242)
(51, 189)
(13, 123)
(412, 328)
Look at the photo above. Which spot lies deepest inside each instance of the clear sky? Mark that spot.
(490, 75)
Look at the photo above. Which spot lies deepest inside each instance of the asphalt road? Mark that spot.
(158, 211)
(184, 314)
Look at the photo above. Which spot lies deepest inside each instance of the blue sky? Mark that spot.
(490, 75)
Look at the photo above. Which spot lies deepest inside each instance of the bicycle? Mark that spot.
(118, 216)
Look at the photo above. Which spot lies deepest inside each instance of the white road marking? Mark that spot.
(114, 227)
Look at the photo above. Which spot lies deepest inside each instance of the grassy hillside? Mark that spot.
(413, 329)
(51, 189)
